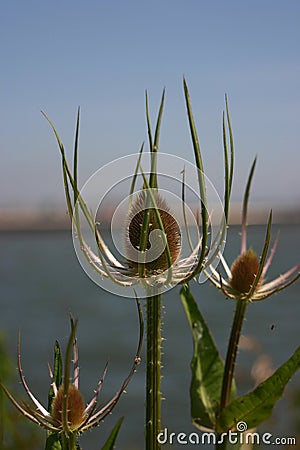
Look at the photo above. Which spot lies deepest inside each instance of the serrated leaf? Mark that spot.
(256, 406)
(207, 367)
(110, 443)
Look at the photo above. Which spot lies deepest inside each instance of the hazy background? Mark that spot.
(103, 55)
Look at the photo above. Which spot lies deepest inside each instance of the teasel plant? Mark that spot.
(67, 416)
(246, 283)
(148, 212)
(214, 402)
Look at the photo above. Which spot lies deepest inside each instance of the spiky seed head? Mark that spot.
(243, 271)
(75, 407)
(134, 231)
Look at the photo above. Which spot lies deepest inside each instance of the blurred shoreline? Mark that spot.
(44, 219)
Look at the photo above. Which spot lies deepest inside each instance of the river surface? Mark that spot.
(42, 282)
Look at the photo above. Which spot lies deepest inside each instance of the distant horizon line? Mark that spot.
(18, 219)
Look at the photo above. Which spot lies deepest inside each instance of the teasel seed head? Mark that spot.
(243, 271)
(134, 230)
(75, 407)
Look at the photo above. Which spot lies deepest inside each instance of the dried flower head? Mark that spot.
(156, 258)
(246, 278)
(243, 271)
(75, 406)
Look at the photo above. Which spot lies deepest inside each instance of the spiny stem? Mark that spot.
(72, 442)
(69, 442)
(231, 358)
(153, 376)
(232, 352)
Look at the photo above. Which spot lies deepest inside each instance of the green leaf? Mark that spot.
(53, 442)
(158, 122)
(228, 163)
(256, 406)
(132, 187)
(201, 181)
(262, 258)
(69, 178)
(245, 207)
(207, 367)
(154, 145)
(66, 377)
(110, 443)
(75, 162)
(57, 373)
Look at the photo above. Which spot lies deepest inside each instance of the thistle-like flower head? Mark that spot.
(156, 256)
(243, 271)
(75, 407)
(247, 276)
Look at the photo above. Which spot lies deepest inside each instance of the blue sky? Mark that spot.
(103, 55)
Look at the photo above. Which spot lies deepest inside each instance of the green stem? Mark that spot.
(69, 442)
(153, 374)
(232, 352)
(231, 357)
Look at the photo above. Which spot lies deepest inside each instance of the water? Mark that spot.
(42, 282)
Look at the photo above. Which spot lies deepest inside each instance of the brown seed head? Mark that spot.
(134, 229)
(75, 407)
(243, 271)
